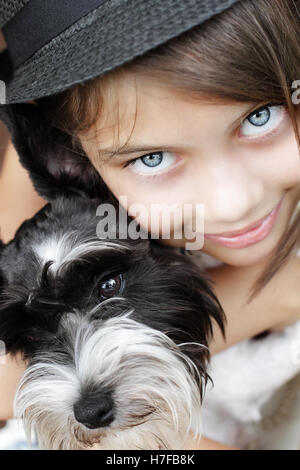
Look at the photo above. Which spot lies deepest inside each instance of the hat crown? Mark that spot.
(9, 8)
(53, 45)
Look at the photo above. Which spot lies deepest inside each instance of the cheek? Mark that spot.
(157, 208)
(280, 164)
(145, 191)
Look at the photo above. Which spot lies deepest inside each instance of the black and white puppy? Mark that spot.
(115, 332)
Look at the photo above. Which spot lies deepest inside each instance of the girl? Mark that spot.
(210, 117)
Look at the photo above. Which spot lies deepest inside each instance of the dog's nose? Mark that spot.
(95, 410)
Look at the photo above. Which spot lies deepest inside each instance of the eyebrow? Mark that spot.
(129, 150)
(110, 152)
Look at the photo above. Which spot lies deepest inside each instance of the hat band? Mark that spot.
(39, 21)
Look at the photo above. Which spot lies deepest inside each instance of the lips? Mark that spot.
(249, 236)
(242, 231)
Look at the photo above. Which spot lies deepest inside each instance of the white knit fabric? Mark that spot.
(255, 400)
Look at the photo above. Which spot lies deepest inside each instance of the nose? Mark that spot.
(233, 196)
(95, 409)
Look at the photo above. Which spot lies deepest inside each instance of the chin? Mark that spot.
(248, 256)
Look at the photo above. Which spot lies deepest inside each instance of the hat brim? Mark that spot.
(127, 29)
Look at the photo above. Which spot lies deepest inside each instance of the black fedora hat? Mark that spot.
(55, 44)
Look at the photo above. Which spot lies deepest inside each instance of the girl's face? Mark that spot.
(239, 160)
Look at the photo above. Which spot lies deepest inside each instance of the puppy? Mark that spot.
(115, 331)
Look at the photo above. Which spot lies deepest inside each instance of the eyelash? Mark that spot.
(257, 139)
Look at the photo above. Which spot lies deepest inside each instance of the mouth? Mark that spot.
(250, 235)
(88, 437)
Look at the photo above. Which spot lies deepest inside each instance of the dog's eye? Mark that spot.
(110, 287)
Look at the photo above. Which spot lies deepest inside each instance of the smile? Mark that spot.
(256, 234)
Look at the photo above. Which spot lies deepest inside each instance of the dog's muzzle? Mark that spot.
(116, 383)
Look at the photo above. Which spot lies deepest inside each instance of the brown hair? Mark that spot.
(249, 53)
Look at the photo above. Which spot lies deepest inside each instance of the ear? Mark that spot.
(55, 167)
(17, 327)
(12, 328)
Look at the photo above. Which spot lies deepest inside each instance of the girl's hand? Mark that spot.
(11, 371)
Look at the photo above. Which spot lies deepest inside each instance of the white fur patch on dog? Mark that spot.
(68, 248)
(49, 250)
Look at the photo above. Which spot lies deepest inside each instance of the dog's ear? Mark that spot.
(56, 166)
(17, 325)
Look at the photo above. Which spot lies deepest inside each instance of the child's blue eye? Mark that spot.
(153, 159)
(262, 121)
(260, 117)
(153, 163)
